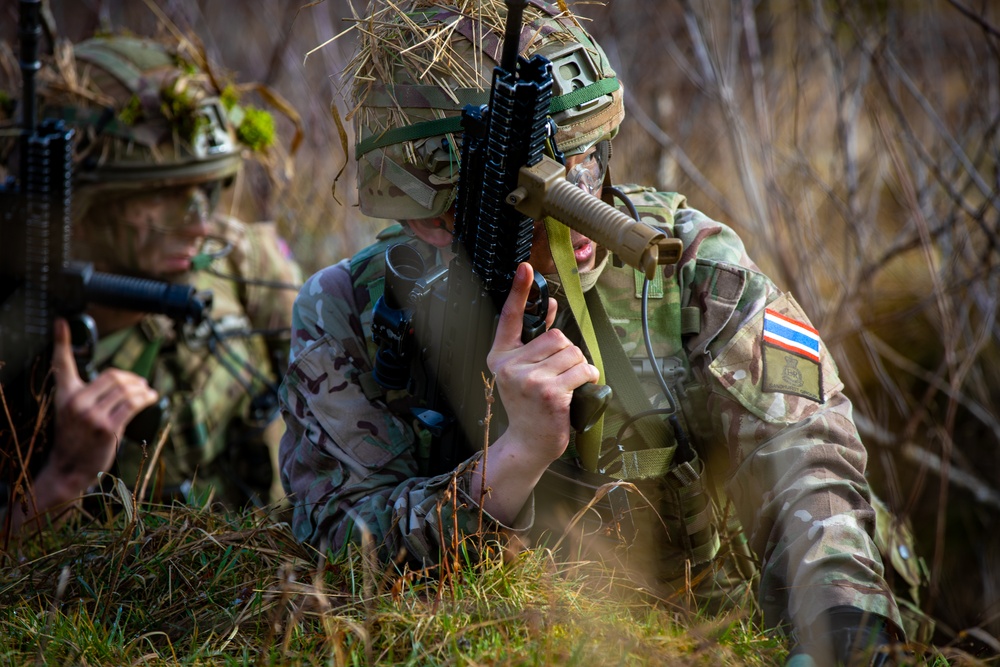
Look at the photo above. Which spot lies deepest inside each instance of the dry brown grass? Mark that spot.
(188, 585)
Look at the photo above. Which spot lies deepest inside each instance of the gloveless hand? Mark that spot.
(536, 380)
(91, 416)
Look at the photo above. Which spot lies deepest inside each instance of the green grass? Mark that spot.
(189, 586)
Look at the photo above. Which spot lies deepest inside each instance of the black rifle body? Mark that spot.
(459, 308)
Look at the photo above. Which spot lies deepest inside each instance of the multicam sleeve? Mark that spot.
(348, 461)
(797, 463)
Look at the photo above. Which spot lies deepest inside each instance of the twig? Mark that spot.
(975, 18)
(980, 490)
(488, 384)
(666, 142)
(152, 461)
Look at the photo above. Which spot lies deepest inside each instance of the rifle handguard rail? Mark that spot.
(543, 190)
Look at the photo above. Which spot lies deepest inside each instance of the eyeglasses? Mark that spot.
(588, 174)
(179, 206)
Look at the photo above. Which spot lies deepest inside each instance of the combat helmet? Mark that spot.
(147, 114)
(438, 56)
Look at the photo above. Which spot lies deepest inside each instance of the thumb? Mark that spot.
(63, 363)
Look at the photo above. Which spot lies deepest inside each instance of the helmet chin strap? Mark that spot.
(606, 195)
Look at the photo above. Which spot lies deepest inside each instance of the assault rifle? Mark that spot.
(510, 175)
(37, 280)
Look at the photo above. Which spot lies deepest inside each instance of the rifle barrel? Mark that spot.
(179, 302)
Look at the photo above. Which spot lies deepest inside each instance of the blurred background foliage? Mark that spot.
(852, 144)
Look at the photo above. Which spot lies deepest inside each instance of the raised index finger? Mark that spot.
(508, 336)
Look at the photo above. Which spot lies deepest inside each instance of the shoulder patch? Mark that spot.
(790, 335)
(776, 365)
(788, 373)
(790, 357)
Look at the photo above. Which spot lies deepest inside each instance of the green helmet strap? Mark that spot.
(452, 124)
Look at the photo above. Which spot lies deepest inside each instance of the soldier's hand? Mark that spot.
(536, 380)
(90, 416)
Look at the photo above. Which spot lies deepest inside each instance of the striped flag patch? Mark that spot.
(791, 335)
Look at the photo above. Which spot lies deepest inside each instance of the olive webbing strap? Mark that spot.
(656, 459)
(588, 443)
(450, 124)
(687, 490)
(600, 340)
(143, 366)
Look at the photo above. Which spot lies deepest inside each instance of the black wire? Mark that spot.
(227, 247)
(272, 284)
(649, 349)
(684, 449)
(247, 333)
(216, 337)
(247, 387)
(636, 417)
(624, 198)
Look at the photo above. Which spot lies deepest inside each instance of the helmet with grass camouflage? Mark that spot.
(146, 114)
(436, 56)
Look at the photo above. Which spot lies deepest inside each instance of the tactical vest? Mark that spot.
(653, 505)
(643, 494)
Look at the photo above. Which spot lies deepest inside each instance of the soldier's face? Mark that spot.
(586, 171)
(159, 232)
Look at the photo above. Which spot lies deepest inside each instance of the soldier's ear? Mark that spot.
(435, 231)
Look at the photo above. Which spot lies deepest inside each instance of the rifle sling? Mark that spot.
(143, 366)
(588, 443)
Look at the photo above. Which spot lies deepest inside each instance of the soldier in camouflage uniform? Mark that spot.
(157, 141)
(752, 434)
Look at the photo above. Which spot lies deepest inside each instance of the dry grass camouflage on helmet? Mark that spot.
(420, 62)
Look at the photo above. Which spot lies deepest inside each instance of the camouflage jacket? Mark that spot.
(772, 428)
(223, 417)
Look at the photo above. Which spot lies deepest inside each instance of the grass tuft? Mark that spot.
(188, 585)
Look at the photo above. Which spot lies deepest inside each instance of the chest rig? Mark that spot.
(651, 499)
(212, 389)
(648, 489)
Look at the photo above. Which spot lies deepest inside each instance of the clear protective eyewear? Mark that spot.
(588, 174)
(185, 205)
